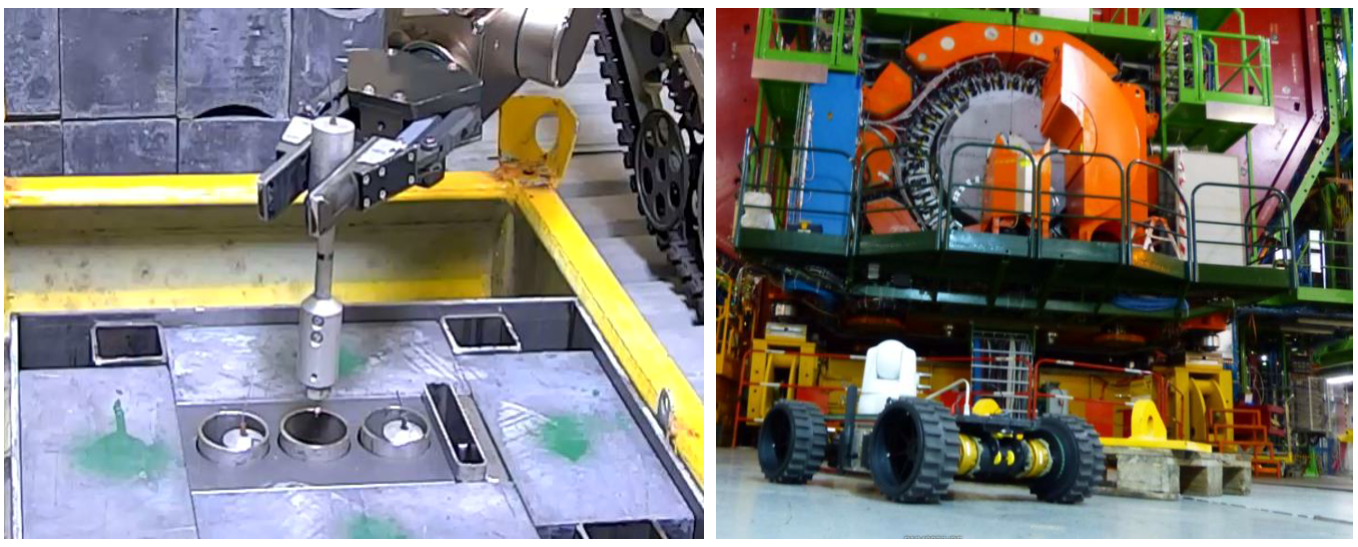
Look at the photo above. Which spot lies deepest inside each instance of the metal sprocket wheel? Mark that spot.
(662, 168)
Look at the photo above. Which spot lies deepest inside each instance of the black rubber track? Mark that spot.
(1077, 460)
(792, 442)
(914, 451)
(680, 245)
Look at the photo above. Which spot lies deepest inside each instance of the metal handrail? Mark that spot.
(1287, 243)
(1254, 64)
(1122, 185)
(1166, 176)
(966, 408)
(1330, 271)
(945, 201)
(752, 150)
(859, 168)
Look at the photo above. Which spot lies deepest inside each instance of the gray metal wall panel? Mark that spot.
(32, 79)
(117, 63)
(228, 145)
(319, 37)
(32, 148)
(119, 147)
(233, 57)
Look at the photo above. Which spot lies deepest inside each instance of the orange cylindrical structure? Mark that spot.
(958, 42)
(1084, 110)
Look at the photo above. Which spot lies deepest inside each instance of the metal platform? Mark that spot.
(558, 424)
(194, 245)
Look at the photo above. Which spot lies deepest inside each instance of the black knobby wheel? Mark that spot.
(792, 442)
(1077, 459)
(914, 450)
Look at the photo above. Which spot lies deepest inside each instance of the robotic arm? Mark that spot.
(391, 120)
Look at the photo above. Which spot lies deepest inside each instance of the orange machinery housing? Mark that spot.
(1084, 110)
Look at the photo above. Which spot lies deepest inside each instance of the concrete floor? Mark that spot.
(850, 507)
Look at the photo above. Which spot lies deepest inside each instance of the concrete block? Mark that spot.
(32, 148)
(1199, 476)
(228, 145)
(319, 37)
(32, 81)
(117, 63)
(1141, 473)
(119, 147)
(234, 59)
(1237, 475)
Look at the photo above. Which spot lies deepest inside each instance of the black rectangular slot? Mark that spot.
(636, 529)
(135, 342)
(120, 344)
(460, 439)
(481, 333)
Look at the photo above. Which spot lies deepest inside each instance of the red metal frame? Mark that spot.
(1279, 150)
(737, 95)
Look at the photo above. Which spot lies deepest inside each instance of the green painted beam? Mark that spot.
(1313, 295)
(1337, 353)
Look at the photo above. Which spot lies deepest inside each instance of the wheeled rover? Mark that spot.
(915, 447)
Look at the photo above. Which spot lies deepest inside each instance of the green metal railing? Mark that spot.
(946, 205)
(778, 181)
(1172, 231)
(830, 37)
(1336, 263)
(1197, 73)
(859, 206)
(1259, 244)
(1122, 16)
(1124, 208)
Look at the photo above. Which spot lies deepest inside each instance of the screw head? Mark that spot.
(369, 89)
(381, 194)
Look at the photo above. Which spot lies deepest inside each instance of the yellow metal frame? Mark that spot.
(769, 354)
(1148, 431)
(634, 344)
(521, 156)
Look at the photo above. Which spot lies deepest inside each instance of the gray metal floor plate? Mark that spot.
(567, 441)
(256, 362)
(81, 479)
(468, 510)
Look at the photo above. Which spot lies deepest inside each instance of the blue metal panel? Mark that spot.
(824, 204)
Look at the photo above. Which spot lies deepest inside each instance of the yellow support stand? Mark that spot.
(767, 355)
(1148, 431)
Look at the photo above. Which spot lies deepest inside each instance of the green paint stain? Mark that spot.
(366, 527)
(119, 455)
(567, 436)
(350, 363)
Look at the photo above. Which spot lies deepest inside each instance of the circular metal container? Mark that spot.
(233, 438)
(313, 434)
(395, 432)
